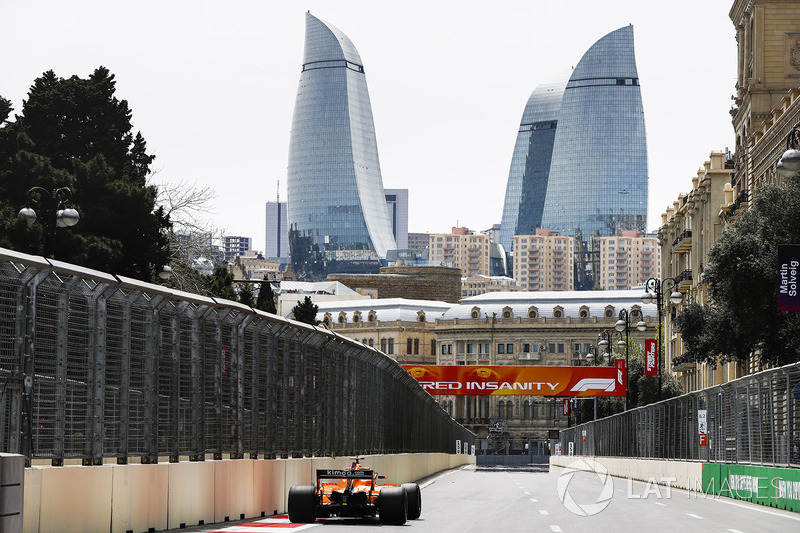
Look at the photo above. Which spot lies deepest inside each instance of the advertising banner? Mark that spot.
(567, 407)
(504, 380)
(702, 427)
(650, 357)
(788, 266)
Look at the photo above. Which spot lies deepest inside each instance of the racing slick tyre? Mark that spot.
(414, 500)
(392, 506)
(302, 504)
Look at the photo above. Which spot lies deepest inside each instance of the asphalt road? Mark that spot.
(503, 501)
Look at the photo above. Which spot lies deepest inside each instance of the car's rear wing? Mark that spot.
(332, 473)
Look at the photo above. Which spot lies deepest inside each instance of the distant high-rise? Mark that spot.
(580, 162)
(277, 232)
(235, 245)
(397, 202)
(337, 212)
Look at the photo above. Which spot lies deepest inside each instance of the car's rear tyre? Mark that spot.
(302, 504)
(414, 500)
(392, 506)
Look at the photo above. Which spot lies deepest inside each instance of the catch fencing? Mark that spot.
(752, 420)
(95, 366)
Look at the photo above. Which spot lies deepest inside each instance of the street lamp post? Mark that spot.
(624, 324)
(654, 290)
(55, 204)
(593, 354)
(789, 164)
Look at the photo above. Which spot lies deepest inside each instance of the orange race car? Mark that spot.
(354, 492)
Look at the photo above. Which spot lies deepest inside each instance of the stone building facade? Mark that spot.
(504, 328)
(411, 282)
(689, 228)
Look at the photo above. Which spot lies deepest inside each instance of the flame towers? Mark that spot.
(580, 163)
(337, 214)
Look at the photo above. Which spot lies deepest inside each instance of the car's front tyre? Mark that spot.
(414, 495)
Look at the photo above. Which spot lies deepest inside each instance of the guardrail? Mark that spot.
(95, 366)
(752, 420)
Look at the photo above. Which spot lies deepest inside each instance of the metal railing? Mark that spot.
(95, 366)
(752, 420)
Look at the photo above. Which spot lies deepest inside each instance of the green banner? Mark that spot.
(774, 487)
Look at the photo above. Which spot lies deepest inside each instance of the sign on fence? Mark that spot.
(702, 427)
(788, 267)
(650, 357)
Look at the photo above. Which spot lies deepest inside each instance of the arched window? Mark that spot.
(558, 313)
(509, 410)
(475, 313)
(532, 313)
(421, 316)
(526, 410)
(356, 317)
(371, 316)
(501, 409)
(342, 318)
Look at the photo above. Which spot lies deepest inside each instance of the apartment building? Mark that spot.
(544, 261)
(627, 260)
(463, 249)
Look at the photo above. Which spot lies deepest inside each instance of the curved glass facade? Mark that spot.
(530, 164)
(598, 173)
(336, 207)
(580, 161)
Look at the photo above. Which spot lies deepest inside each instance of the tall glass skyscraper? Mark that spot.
(530, 164)
(580, 163)
(337, 213)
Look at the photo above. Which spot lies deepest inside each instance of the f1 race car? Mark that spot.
(353, 492)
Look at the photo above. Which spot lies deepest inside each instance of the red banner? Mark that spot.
(503, 380)
(650, 357)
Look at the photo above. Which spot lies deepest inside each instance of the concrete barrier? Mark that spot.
(681, 474)
(12, 476)
(140, 498)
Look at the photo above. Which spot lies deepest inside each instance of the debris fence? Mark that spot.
(95, 366)
(752, 420)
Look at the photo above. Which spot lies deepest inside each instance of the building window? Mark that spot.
(561, 348)
(391, 346)
(470, 348)
(501, 348)
(501, 409)
(551, 348)
(433, 347)
(526, 410)
(526, 348)
(416, 346)
(383, 345)
(509, 348)
(509, 410)
(409, 346)
(557, 313)
(371, 342)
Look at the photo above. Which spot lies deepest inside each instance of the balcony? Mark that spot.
(684, 280)
(683, 242)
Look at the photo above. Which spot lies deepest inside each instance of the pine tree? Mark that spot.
(306, 311)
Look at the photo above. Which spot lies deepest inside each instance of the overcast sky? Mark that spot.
(212, 87)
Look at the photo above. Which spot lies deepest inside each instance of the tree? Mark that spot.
(742, 317)
(266, 298)
(246, 295)
(76, 133)
(306, 311)
(220, 284)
